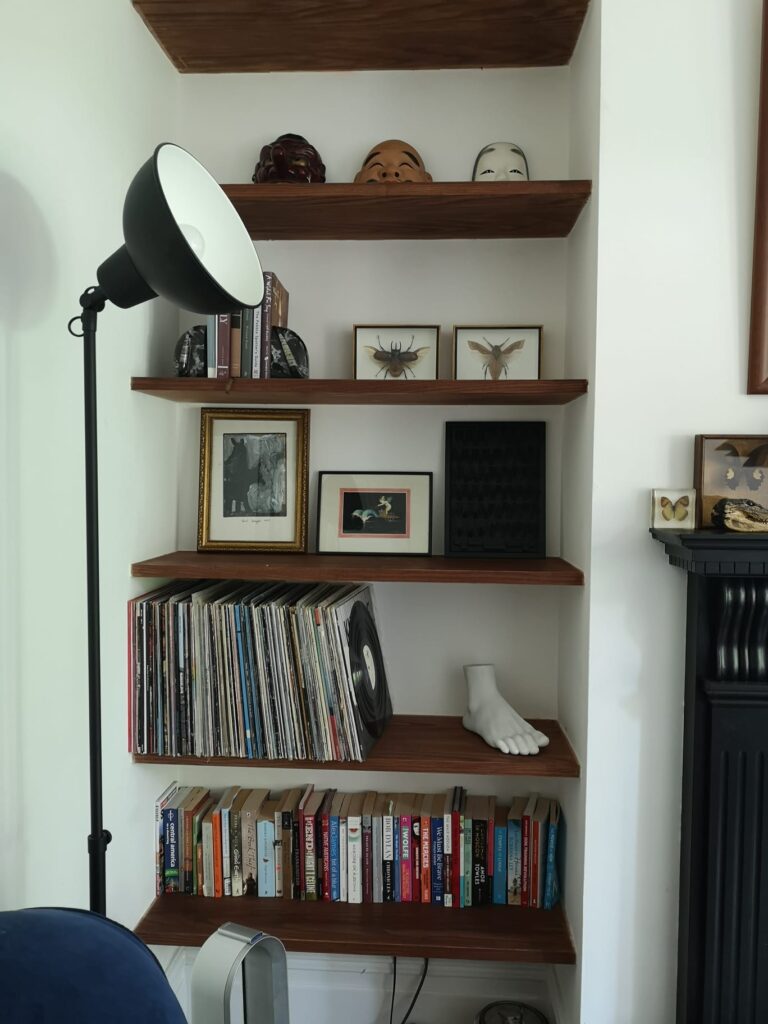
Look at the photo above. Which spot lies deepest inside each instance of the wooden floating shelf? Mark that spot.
(347, 35)
(501, 933)
(196, 565)
(238, 391)
(424, 743)
(438, 209)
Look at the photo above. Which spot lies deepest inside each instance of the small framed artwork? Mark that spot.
(374, 513)
(496, 353)
(396, 352)
(254, 467)
(729, 466)
(495, 480)
(673, 509)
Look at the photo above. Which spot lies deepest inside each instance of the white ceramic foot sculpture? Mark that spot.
(491, 717)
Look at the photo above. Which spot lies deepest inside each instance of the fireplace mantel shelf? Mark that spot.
(715, 552)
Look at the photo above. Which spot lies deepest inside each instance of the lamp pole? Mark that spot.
(92, 302)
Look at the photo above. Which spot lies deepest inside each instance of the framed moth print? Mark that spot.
(396, 352)
(374, 513)
(496, 353)
(729, 466)
(254, 467)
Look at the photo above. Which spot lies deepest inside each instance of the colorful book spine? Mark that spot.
(296, 847)
(343, 858)
(479, 861)
(222, 346)
(265, 839)
(249, 853)
(551, 871)
(355, 858)
(210, 345)
(171, 869)
(396, 879)
(236, 847)
(310, 862)
(235, 344)
(514, 862)
(406, 866)
(367, 840)
(377, 858)
(335, 888)
(525, 862)
(388, 855)
(447, 860)
(437, 828)
(287, 854)
(326, 844)
(256, 357)
(467, 880)
(226, 848)
(208, 856)
(266, 325)
(416, 857)
(278, 848)
(162, 801)
(246, 343)
(500, 863)
(218, 881)
(426, 864)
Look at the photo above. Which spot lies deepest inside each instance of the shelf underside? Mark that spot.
(352, 35)
(513, 934)
(437, 210)
(238, 391)
(425, 743)
(196, 565)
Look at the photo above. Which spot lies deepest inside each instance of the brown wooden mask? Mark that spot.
(289, 158)
(392, 161)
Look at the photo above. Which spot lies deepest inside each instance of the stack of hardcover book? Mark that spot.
(257, 670)
(239, 343)
(451, 849)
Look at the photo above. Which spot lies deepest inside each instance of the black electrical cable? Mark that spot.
(394, 986)
(418, 990)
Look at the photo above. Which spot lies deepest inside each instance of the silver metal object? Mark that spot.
(259, 958)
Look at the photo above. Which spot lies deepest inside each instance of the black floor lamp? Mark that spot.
(185, 242)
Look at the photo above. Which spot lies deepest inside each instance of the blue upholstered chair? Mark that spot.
(75, 967)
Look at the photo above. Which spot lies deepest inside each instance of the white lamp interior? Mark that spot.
(211, 225)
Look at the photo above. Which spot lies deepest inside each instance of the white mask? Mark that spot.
(500, 161)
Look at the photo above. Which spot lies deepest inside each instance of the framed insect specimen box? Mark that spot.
(374, 513)
(254, 467)
(729, 466)
(674, 509)
(396, 352)
(496, 353)
(495, 489)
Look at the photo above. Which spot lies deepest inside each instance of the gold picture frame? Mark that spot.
(254, 483)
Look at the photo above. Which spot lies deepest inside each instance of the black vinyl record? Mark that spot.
(368, 675)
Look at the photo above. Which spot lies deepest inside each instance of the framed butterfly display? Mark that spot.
(676, 509)
(730, 466)
(496, 353)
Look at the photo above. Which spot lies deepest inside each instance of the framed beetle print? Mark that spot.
(496, 353)
(396, 352)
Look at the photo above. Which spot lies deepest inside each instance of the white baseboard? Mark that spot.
(357, 990)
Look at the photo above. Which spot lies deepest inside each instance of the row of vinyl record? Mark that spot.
(258, 670)
(450, 849)
(238, 344)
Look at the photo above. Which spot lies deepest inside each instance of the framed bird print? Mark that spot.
(396, 352)
(673, 509)
(374, 513)
(730, 466)
(496, 353)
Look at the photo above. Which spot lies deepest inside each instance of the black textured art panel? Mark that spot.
(495, 489)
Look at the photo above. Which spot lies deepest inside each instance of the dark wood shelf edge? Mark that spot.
(356, 392)
(192, 565)
(422, 744)
(495, 933)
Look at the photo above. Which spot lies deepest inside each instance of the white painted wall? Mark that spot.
(86, 95)
(677, 157)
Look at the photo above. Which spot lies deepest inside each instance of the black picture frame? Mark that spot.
(495, 489)
(379, 542)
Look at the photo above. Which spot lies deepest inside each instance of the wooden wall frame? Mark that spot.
(757, 383)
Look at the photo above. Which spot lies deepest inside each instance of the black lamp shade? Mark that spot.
(183, 240)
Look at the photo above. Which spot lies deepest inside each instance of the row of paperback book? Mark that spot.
(257, 670)
(238, 344)
(452, 849)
